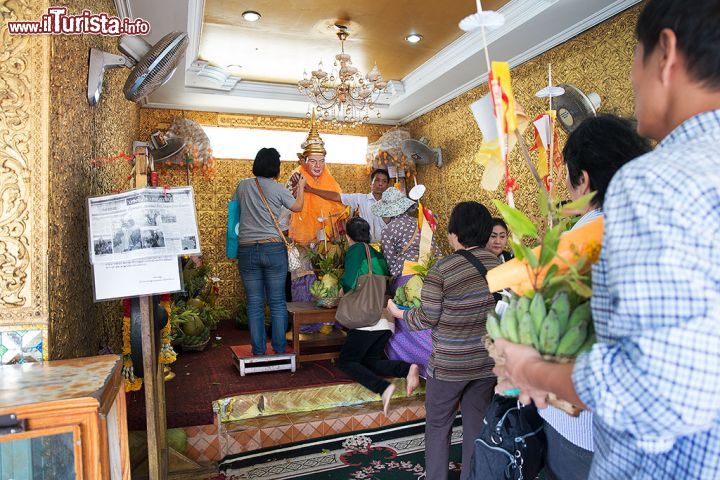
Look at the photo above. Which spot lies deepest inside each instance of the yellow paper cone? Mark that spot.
(518, 276)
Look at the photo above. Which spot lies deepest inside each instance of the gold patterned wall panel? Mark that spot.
(211, 196)
(24, 84)
(79, 133)
(598, 60)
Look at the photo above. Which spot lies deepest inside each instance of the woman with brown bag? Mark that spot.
(400, 242)
(363, 355)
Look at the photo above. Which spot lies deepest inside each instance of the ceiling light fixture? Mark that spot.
(343, 96)
(413, 38)
(251, 16)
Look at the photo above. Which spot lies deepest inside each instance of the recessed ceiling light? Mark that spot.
(413, 38)
(234, 66)
(251, 16)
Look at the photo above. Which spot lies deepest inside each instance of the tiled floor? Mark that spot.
(204, 443)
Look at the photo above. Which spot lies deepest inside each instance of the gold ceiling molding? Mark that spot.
(296, 124)
(152, 119)
(24, 87)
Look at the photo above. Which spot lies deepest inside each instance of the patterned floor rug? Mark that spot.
(396, 453)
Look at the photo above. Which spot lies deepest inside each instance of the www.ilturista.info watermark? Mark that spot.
(57, 22)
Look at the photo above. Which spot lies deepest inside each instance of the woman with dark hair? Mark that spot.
(262, 256)
(497, 245)
(593, 154)
(363, 355)
(455, 304)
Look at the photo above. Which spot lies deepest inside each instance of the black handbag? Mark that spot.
(511, 444)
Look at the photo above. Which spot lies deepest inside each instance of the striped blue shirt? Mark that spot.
(653, 379)
(577, 430)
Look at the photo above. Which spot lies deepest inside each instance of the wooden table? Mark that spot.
(303, 313)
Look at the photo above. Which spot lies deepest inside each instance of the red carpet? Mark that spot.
(203, 377)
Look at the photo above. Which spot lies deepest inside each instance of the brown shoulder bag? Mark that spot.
(363, 306)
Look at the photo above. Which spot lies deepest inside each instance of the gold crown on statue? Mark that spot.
(313, 144)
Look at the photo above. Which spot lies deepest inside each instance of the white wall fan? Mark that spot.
(164, 146)
(152, 65)
(420, 153)
(574, 106)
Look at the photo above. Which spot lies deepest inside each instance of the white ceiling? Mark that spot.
(532, 27)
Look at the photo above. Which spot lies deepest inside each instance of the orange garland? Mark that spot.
(166, 356)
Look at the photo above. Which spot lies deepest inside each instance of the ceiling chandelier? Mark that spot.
(343, 96)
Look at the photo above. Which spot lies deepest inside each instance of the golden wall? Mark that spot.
(24, 84)
(598, 60)
(212, 195)
(48, 134)
(78, 134)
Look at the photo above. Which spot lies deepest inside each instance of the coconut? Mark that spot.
(196, 303)
(193, 327)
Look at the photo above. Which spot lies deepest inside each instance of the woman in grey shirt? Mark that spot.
(262, 256)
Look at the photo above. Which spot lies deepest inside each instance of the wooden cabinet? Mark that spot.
(73, 418)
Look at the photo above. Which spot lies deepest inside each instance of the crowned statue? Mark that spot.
(321, 221)
(316, 220)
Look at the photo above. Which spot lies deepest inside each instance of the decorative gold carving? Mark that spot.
(211, 197)
(23, 163)
(598, 60)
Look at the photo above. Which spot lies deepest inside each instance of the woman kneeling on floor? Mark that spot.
(363, 355)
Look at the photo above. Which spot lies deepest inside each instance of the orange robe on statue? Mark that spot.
(304, 225)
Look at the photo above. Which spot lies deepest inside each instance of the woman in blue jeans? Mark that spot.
(262, 256)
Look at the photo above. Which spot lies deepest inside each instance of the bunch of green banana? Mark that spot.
(552, 331)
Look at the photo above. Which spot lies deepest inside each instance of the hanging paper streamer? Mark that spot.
(545, 133)
(546, 138)
(427, 223)
(495, 148)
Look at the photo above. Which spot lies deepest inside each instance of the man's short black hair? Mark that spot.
(600, 146)
(380, 171)
(358, 229)
(472, 223)
(267, 163)
(697, 28)
(499, 222)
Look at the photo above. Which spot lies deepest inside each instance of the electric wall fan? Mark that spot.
(574, 106)
(152, 65)
(420, 153)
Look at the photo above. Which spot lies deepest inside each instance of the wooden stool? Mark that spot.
(246, 362)
(303, 313)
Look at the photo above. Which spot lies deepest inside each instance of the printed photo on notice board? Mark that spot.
(142, 223)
